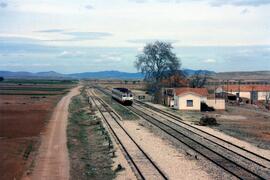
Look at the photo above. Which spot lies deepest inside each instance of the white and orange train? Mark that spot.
(123, 96)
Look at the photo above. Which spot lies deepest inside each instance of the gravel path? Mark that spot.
(52, 162)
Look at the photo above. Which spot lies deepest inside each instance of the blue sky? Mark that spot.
(93, 35)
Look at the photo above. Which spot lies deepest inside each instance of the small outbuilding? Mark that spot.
(251, 92)
(189, 98)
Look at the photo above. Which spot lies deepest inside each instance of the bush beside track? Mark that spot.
(88, 142)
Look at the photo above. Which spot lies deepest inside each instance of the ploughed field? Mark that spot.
(25, 106)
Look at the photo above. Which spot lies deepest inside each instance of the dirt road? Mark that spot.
(52, 162)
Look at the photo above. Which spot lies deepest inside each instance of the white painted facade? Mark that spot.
(261, 95)
(242, 94)
(218, 104)
(181, 102)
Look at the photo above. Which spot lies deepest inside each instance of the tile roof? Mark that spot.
(198, 91)
(247, 88)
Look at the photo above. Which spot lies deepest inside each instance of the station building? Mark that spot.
(252, 92)
(191, 99)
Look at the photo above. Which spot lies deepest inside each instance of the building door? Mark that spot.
(254, 96)
(176, 103)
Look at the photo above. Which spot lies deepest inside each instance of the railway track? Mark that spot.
(256, 158)
(144, 167)
(239, 162)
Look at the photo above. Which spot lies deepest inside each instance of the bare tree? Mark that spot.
(157, 62)
(199, 79)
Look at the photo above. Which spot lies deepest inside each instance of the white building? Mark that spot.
(252, 92)
(191, 99)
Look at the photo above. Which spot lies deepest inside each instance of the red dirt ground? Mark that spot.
(22, 119)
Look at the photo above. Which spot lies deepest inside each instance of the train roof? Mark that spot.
(124, 90)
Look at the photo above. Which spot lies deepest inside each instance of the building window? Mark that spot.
(189, 103)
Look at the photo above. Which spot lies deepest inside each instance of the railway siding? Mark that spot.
(260, 160)
(146, 168)
(223, 156)
(250, 167)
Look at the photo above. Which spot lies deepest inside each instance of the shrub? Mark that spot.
(208, 121)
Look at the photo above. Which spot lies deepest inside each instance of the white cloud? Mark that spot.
(210, 61)
(45, 8)
(41, 65)
(191, 22)
(71, 54)
(240, 2)
(111, 57)
(12, 65)
(21, 65)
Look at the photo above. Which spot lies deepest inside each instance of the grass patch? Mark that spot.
(89, 145)
(34, 89)
(122, 111)
(39, 81)
(190, 116)
(28, 150)
(32, 94)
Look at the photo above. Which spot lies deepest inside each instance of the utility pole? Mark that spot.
(227, 90)
(252, 95)
(238, 95)
(215, 89)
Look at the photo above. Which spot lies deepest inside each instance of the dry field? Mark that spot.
(24, 109)
(246, 125)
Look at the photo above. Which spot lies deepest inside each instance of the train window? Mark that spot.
(124, 96)
(130, 95)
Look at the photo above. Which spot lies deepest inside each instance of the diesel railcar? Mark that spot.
(123, 96)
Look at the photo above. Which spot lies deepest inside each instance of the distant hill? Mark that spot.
(125, 75)
(255, 75)
(22, 74)
(190, 72)
(245, 75)
(85, 75)
(50, 74)
(108, 75)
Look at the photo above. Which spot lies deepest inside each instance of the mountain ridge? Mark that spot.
(113, 74)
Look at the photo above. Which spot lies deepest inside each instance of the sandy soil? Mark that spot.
(52, 161)
(250, 126)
